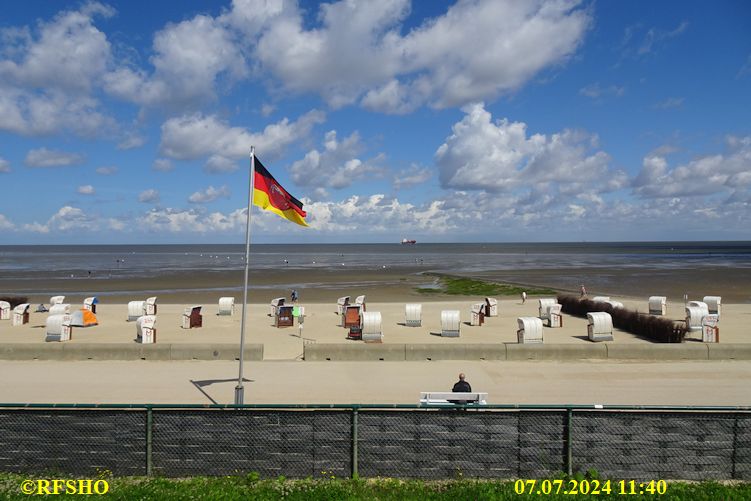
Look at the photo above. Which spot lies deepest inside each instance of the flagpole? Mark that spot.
(239, 390)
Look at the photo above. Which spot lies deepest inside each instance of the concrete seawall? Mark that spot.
(127, 351)
(516, 352)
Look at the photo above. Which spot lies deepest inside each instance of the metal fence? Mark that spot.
(404, 441)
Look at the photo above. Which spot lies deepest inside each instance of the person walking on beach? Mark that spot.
(583, 291)
(524, 297)
(293, 296)
(461, 386)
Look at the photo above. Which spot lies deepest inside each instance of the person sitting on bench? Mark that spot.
(461, 386)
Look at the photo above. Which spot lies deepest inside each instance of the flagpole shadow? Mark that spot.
(208, 382)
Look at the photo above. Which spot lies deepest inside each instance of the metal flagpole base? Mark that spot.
(239, 395)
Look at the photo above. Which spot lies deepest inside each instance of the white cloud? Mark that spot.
(163, 165)
(499, 156)
(47, 77)
(86, 189)
(43, 157)
(596, 91)
(131, 141)
(4, 166)
(476, 50)
(337, 165)
(655, 36)
(722, 173)
(189, 59)
(150, 196)
(106, 170)
(670, 103)
(195, 136)
(192, 221)
(217, 164)
(412, 176)
(67, 218)
(5, 223)
(209, 195)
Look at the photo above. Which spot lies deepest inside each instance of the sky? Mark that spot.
(466, 121)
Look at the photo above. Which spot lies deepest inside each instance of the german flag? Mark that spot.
(268, 194)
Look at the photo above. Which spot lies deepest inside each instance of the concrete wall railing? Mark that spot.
(128, 351)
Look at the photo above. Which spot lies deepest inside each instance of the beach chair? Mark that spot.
(57, 300)
(360, 300)
(658, 305)
(599, 326)
(713, 304)
(192, 317)
(530, 330)
(150, 306)
(274, 305)
(450, 321)
(614, 304)
(284, 316)
(4, 310)
(60, 309)
(554, 315)
(341, 304)
(90, 304)
(372, 331)
(699, 304)
(710, 328)
(226, 306)
(146, 329)
(59, 328)
(136, 309)
(20, 315)
(542, 307)
(601, 299)
(477, 314)
(491, 307)
(694, 316)
(351, 316)
(413, 315)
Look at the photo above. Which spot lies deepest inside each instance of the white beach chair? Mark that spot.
(554, 315)
(360, 300)
(699, 304)
(614, 304)
(542, 307)
(658, 305)
(60, 309)
(450, 320)
(58, 328)
(274, 305)
(477, 314)
(20, 315)
(136, 309)
(57, 300)
(226, 306)
(710, 328)
(4, 310)
(372, 331)
(601, 299)
(90, 303)
(150, 306)
(341, 305)
(491, 308)
(413, 315)
(713, 304)
(694, 316)
(530, 330)
(599, 326)
(146, 329)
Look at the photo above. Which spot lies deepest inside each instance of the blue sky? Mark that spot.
(499, 120)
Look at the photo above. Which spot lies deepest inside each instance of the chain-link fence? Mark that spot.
(389, 441)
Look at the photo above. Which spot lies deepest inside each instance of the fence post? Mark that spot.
(354, 443)
(149, 427)
(735, 445)
(569, 443)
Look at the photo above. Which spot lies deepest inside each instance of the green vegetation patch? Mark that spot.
(250, 486)
(456, 286)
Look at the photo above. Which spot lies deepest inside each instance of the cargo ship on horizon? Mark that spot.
(408, 242)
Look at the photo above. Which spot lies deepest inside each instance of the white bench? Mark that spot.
(451, 398)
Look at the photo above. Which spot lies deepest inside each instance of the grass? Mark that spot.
(327, 488)
(456, 286)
